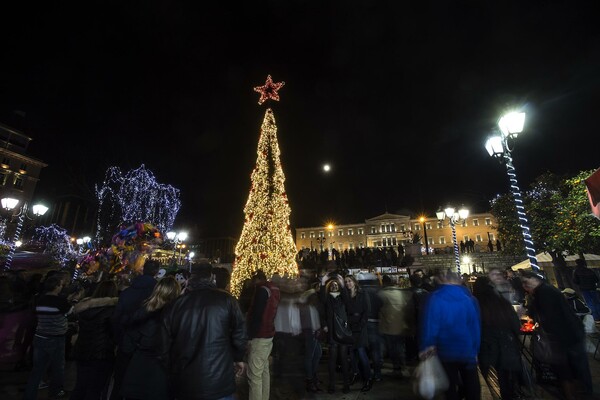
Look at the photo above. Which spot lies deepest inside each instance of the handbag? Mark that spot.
(544, 348)
(341, 331)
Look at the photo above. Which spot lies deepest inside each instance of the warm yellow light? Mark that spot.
(422, 219)
(330, 226)
(266, 242)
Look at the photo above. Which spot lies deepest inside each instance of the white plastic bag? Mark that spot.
(430, 378)
(588, 324)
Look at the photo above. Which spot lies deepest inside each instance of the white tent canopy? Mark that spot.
(545, 260)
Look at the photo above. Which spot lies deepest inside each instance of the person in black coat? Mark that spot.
(203, 339)
(500, 326)
(331, 293)
(146, 377)
(548, 307)
(130, 300)
(358, 307)
(95, 346)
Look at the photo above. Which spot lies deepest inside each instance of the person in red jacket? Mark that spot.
(261, 330)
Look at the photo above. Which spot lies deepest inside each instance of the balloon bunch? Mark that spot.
(131, 245)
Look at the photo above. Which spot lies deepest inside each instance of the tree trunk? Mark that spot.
(563, 277)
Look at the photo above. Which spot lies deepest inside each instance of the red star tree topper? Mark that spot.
(269, 90)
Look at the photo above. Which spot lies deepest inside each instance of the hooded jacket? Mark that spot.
(452, 324)
(203, 333)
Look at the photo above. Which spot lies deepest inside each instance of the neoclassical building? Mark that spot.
(393, 229)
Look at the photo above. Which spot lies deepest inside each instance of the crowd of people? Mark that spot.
(184, 336)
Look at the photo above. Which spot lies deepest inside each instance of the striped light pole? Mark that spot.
(453, 217)
(510, 126)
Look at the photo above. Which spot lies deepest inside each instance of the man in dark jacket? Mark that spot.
(204, 340)
(587, 280)
(564, 331)
(261, 330)
(129, 301)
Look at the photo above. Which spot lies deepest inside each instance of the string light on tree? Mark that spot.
(266, 242)
(132, 197)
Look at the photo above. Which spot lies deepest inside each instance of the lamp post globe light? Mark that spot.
(9, 204)
(177, 238)
(453, 217)
(498, 146)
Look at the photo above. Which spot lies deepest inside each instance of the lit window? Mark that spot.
(350, 232)
(312, 235)
(373, 229)
(488, 221)
(302, 235)
(466, 238)
(442, 240)
(393, 227)
(430, 240)
(361, 231)
(464, 222)
(478, 238)
(350, 245)
(475, 222)
(428, 225)
(340, 232)
(492, 238)
(417, 227)
(402, 227)
(361, 245)
(440, 224)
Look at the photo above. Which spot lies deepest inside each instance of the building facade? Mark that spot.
(19, 172)
(391, 230)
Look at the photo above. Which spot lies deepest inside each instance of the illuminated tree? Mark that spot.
(266, 242)
(124, 199)
(561, 223)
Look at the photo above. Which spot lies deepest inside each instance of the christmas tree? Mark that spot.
(266, 241)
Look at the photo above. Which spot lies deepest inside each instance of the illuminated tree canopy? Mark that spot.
(135, 196)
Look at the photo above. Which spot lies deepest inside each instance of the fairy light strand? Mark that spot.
(524, 223)
(132, 197)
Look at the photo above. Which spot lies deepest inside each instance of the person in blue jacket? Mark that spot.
(451, 328)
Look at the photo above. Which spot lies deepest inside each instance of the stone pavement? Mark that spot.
(288, 381)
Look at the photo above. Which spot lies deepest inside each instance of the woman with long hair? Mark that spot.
(95, 346)
(330, 294)
(145, 377)
(358, 307)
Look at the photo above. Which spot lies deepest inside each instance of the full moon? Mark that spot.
(326, 168)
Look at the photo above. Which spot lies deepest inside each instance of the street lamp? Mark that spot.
(422, 219)
(177, 238)
(498, 146)
(9, 204)
(454, 217)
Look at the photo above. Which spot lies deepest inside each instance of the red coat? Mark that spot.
(261, 315)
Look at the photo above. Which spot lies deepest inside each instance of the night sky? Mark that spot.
(399, 97)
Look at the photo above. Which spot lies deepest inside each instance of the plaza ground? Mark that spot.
(288, 381)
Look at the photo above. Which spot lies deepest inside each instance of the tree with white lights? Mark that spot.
(132, 197)
(266, 242)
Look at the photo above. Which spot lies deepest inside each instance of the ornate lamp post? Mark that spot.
(453, 217)
(499, 147)
(177, 238)
(9, 204)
